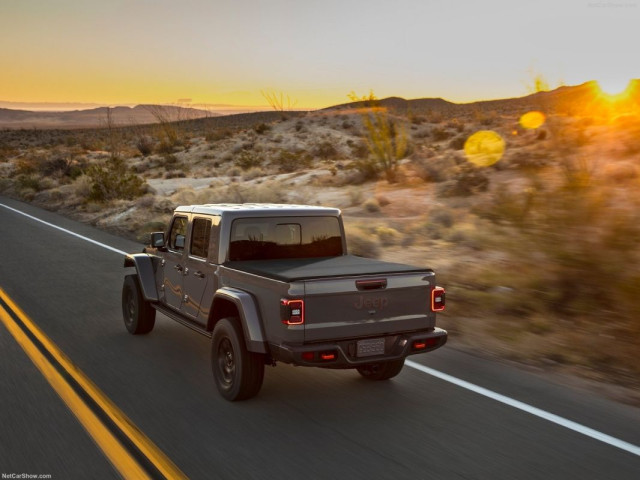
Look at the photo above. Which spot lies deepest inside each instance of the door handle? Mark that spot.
(178, 267)
(199, 274)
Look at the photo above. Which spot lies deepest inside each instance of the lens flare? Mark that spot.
(484, 148)
(532, 120)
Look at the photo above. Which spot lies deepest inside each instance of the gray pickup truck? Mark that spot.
(274, 283)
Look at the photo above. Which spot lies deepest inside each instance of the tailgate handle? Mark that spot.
(378, 284)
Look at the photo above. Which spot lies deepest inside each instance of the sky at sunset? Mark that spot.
(316, 51)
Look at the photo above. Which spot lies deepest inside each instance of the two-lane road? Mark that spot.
(306, 423)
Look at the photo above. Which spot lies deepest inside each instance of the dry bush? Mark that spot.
(362, 243)
(388, 236)
(247, 159)
(288, 161)
(372, 205)
(467, 179)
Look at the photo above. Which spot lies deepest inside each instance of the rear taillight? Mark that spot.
(292, 311)
(437, 299)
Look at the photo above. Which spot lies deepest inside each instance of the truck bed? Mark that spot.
(290, 270)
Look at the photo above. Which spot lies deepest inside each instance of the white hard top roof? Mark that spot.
(258, 209)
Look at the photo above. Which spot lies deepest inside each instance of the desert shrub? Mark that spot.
(114, 180)
(440, 133)
(388, 236)
(262, 128)
(29, 182)
(528, 160)
(371, 205)
(25, 166)
(165, 147)
(457, 143)
(383, 201)
(218, 134)
(361, 243)
(144, 144)
(359, 149)
(442, 217)
(291, 161)
(421, 134)
(467, 180)
(174, 174)
(355, 196)
(325, 150)
(247, 159)
(252, 173)
(434, 169)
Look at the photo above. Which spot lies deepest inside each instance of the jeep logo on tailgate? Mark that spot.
(377, 303)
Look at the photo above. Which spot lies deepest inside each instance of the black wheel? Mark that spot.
(238, 373)
(381, 370)
(139, 316)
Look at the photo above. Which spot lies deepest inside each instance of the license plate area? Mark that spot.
(370, 347)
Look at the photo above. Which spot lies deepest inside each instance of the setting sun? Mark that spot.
(614, 89)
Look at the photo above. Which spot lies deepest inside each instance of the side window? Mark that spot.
(200, 237)
(178, 233)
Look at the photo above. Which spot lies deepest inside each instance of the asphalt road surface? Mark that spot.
(505, 423)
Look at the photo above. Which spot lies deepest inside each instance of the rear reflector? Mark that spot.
(292, 311)
(308, 356)
(419, 345)
(437, 299)
(426, 343)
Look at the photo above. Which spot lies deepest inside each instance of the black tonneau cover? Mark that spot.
(290, 270)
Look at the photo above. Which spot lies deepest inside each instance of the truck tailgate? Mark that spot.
(367, 306)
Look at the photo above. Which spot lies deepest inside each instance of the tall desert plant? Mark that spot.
(383, 135)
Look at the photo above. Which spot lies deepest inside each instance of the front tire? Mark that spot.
(238, 373)
(381, 370)
(138, 314)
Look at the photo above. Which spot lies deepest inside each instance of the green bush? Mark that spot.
(113, 181)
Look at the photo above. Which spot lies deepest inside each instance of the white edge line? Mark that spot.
(64, 230)
(563, 422)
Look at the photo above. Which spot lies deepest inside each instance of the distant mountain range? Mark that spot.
(564, 99)
(97, 117)
(573, 99)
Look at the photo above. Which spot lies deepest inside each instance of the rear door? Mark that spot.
(367, 306)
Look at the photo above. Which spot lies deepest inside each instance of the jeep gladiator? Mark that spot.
(274, 283)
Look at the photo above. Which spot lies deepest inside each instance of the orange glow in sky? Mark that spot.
(315, 51)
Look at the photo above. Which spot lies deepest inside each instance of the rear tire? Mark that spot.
(138, 314)
(381, 370)
(238, 373)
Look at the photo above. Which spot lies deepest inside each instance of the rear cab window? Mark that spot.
(285, 237)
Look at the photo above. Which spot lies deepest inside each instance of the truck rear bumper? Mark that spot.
(360, 351)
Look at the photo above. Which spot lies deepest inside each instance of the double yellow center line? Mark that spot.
(127, 448)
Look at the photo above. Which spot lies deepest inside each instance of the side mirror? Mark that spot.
(157, 239)
(179, 242)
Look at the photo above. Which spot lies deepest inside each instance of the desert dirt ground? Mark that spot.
(512, 242)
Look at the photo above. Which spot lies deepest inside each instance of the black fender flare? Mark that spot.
(143, 264)
(249, 317)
